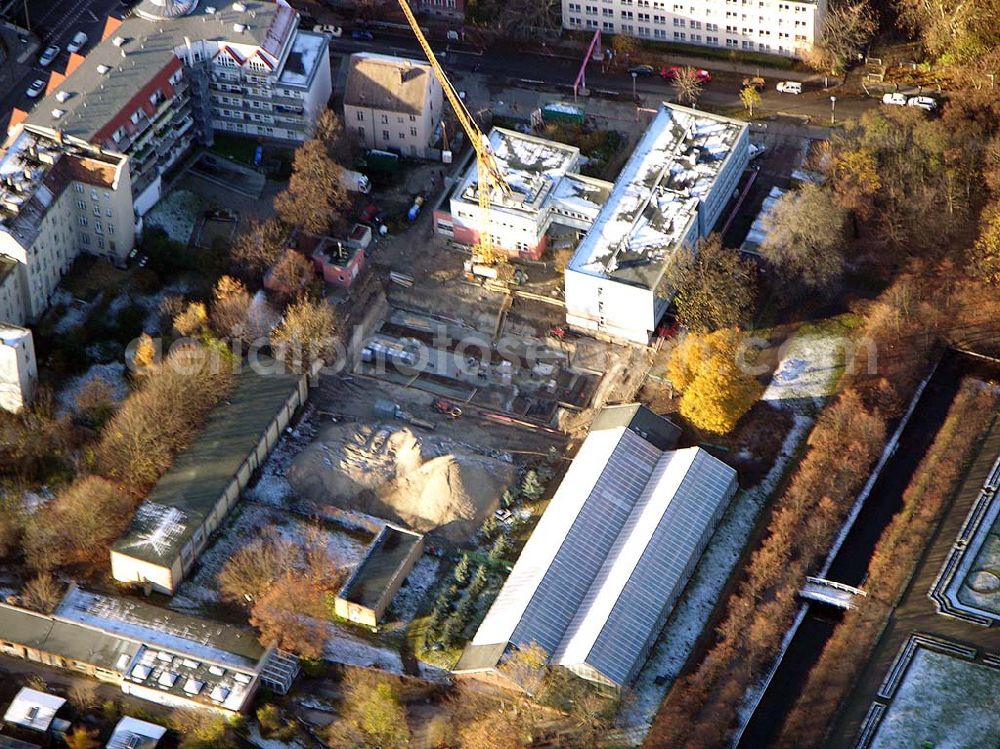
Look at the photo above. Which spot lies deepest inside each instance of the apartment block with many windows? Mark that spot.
(175, 72)
(777, 27)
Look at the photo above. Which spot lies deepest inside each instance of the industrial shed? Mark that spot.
(373, 584)
(171, 528)
(603, 569)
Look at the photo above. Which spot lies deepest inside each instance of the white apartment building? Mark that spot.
(176, 71)
(546, 189)
(393, 104)
(18, 369)
(670, 193)
(777, 27)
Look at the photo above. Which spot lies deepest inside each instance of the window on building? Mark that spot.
(81, 205)
(111, 228)
(83, 221)
(361, 116)
(100, 243)
(384, 119)
(385, 135)
(85, 238)
(98, 227)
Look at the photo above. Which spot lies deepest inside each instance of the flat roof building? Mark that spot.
(789, 28)
(171, 527)
(369, 590)
(615, 548)
(547, 189)
(670, 194)
(132, 733)
(151, 652)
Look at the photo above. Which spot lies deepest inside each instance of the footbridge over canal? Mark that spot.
(841, 595)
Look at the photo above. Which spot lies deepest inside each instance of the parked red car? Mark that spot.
(671, 73)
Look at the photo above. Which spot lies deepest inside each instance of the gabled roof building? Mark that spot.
(603, 569)
(393, 104)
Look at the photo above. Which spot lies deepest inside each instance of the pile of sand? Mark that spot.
(423, 482)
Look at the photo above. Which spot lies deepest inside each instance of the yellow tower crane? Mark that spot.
(488, 173)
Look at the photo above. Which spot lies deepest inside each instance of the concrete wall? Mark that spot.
(370, 616)
(18, 371)
(127, 569)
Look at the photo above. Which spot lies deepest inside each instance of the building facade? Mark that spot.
(778, 27)
(393, 104)
(175, 72)
(18, 368)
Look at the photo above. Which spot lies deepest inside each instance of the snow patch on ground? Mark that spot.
(414, 589)
(176, 213)
(112, 374)
(692, 612)
(247, 523)
(343, 647)
(942, 702)
(253, 733)
(76, 311)
(808, 372)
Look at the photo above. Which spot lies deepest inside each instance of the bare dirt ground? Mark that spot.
(430, 483)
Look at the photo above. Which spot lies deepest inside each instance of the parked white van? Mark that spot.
(789, 87)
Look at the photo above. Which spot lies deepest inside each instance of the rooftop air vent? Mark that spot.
(239, 7)
(210, 9)
(63, 95)
(239, 28)
(103, 69)
(57, 113)
(118, 41)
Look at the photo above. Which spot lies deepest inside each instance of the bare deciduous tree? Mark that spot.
(256, 249)
(315, 194)
(712, 287)
(805, 238)
(307, 333)
(687, 86)
(847, 27)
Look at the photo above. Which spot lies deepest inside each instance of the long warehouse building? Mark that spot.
(603, 569)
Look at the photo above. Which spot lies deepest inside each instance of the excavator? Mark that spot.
(488, 263)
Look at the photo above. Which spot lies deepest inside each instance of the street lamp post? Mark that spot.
(634, 76)
(833, 110)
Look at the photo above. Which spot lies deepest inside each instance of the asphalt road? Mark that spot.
(54, 22)
(526, 68)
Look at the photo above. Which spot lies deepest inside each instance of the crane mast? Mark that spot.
(488, 173)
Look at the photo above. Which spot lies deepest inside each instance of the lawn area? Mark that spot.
(943, 703)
